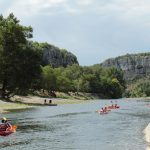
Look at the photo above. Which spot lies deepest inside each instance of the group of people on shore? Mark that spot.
(106, 109)
(45, 101)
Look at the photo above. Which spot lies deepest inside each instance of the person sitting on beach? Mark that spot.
(5, 124)
(45, 101)
(50, 101)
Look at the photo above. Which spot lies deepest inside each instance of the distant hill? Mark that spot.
(134, 66)
(54, 56)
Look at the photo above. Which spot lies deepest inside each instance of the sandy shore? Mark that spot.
(41, 100)
(23, 102)
(7, 106)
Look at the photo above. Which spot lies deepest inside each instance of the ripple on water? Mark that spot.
(78, 127)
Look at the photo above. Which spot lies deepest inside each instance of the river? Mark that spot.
(79, 127)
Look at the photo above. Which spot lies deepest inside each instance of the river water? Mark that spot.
(79, 127)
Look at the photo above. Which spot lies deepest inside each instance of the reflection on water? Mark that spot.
(71, 114)
(79, 127)
(11, 143)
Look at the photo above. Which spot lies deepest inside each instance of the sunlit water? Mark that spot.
(79, 127)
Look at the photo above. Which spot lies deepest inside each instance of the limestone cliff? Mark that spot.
(54, 56)
(133, 65)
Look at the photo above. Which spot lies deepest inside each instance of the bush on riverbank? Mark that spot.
(68, 95)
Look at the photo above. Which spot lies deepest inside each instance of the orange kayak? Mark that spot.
(8, 131)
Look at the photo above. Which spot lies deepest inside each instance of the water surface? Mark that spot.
(79, 127)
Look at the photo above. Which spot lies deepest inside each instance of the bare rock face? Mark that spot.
(135, 65)
(58, 57)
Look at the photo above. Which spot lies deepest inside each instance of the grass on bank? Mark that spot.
(6, 107)
(68, 95)
(68, 101)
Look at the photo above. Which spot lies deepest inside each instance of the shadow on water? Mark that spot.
(12, 143)
(20, 110)
(49, 123)
(140, 115)
(34, 127)
(71, 114)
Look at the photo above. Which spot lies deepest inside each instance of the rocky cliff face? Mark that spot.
(134, 66)
(57, 57)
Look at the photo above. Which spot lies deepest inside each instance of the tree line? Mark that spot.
(94, 79)
(140, 87)
(22, 69)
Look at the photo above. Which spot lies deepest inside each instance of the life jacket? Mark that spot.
(3, 127)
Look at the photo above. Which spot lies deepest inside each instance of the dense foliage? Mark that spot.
(105, 82)
(21, 68)
(138, 88)
(19, 61)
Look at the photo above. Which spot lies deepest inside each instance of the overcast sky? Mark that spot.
(93, 30)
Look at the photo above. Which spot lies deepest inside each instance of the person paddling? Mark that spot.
(116, 105)
(5, 124)
(101, 110)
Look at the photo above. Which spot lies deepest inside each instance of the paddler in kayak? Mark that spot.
(101, 110)
(5, 124)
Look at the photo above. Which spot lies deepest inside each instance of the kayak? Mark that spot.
(8, 131)
(102, 113)
(113, 107)
(117, 107)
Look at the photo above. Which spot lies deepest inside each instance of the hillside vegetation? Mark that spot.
(136, 72)
(134, 66)
(28, 66)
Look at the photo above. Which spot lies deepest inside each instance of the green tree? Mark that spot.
(113, 72)
(48, 79)
(64, 84)
(112, 83)
(20, 63)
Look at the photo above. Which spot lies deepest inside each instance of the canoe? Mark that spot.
(102, 113)
(8, 131)
(113, 107)
(117, 107)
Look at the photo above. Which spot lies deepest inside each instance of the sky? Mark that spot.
(93, 30)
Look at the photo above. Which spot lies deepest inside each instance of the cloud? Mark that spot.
(98, 28)
(37, 7)
(85, 2)
(124, 9)
(32, 7)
